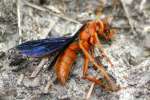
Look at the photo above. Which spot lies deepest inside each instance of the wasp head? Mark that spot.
(104, 30)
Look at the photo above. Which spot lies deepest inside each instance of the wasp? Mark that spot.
(84, 42)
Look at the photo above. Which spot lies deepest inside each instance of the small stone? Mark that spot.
(32, 83)
(64, 97)
(11, 92)
(1, 65)
(2, 54)
(147, 42)
(132, 61)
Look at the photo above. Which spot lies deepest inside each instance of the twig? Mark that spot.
(48, 85)
(20, 79)
(19, 18)
(38, 68)
(34, 6)
(90, 91)
(91, 88)
(147, 29)
(120, 27)
(52, 8)
(142, 4)
(53, 24)
(54, 12)
(128, 17)
(50, 11)
(64, 17)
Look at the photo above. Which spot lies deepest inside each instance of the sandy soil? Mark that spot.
(129, 51)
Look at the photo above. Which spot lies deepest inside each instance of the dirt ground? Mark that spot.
(24, 20)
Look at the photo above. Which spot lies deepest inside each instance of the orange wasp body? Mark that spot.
(88, 38)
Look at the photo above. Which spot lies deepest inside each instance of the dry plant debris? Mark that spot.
(22, 20)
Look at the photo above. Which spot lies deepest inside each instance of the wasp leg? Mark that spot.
(100, 82)
(92, 60)
(99, 45)
(101, 68)
(85, 66)
(92, 53)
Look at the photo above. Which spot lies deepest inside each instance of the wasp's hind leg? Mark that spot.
(101, 82)
(85, 66)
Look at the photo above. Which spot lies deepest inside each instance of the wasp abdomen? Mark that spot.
(65, 61)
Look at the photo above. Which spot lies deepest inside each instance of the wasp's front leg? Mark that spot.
(101, 68)
(85, 66)
(99, 45)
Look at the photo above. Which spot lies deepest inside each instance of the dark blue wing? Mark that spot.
(40, 48)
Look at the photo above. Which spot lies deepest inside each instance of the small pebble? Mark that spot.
(2, 54)
(1, 65)
(31, 83)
